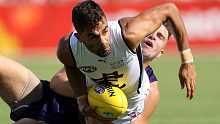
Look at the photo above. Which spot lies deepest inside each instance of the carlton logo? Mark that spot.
(99, 89)
(88, 69)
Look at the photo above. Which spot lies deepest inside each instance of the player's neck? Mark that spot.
(146, 64)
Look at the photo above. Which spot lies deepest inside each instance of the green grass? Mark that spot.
(173, 106)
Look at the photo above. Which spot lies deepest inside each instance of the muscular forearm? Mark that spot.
(178, 28)
(75, 76)
(77, 82)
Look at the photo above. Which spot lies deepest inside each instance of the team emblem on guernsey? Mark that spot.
(99, 89)
(88, 69)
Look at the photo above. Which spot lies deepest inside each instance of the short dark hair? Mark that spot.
(168, 29)
(86, 14)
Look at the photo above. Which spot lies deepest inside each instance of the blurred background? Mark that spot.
(30, 31)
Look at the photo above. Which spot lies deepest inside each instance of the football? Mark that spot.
(111, 101)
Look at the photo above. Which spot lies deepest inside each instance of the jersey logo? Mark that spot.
(99, 89)
(88, 69)
(133, 114)
(108, 78)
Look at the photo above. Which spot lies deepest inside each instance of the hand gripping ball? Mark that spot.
(111, 101)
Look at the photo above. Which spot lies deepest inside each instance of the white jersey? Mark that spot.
(122, 68)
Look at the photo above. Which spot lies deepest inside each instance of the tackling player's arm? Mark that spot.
(76, 79)
(137, 28)
(60, 84)
(150, 104)
(152, 99)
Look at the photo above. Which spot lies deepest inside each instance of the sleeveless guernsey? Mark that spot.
(122, 68)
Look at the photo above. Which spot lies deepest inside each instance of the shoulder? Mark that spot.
(124, 23)
(128, 33)
(148, 69)
(63, 50)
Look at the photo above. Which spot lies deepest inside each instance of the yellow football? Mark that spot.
(111, 101)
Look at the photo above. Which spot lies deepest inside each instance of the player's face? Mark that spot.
(97, 40)
(152, 45)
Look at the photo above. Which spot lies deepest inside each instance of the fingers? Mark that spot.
(188, 86)
(182, 82)
(193, 87)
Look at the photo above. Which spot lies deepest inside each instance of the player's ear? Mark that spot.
(77, 35)
(160, 54)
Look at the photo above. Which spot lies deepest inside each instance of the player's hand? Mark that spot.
(90, 111)
(187, 76)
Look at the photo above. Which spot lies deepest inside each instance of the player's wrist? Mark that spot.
(185, 51)
(187, 61)
(82, 100)
(81, 108)
(81, 97)
(186, 56)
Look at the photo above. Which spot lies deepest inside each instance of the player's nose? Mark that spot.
(151, 36)
(102, 41)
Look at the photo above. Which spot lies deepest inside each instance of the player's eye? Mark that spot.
(105, 32)
(93, 37)
(160, 36)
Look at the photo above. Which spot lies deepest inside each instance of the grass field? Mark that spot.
(173, 106)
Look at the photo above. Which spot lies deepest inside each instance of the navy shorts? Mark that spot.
(52, 108)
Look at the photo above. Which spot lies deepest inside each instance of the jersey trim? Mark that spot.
(150, 74)
(124, 38)
(71, 49)
(139, 55)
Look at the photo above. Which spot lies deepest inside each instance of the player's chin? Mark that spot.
(103, 54)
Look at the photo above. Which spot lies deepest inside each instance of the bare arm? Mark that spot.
(150, 104)
(76, 78)
(60, 84)
(137, 28)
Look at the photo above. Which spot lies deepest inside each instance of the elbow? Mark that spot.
(172, 8)
(58, 79)
(156, 94)
(52, 83)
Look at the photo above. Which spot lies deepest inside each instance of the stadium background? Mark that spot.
(30, 31)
